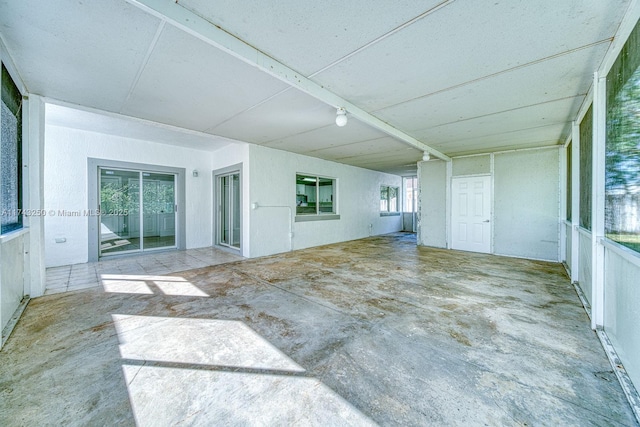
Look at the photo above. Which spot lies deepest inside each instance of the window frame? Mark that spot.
(388, 211)
(407, 200)
(621, 184)
(318, 215)
(18, 225)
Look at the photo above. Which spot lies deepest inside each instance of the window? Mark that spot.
(622, 181)
(315, 195)
(586, 162)
(11, 155)
(389, 199)
(569, 184)
(411, 194)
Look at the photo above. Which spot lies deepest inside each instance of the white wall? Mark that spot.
(65, 171)
(432, 203)
(21, 268)
(472, 165)
(567, 242)
(273, 183)
(232, 155)
(525, 201)
(526, 204)
(622, 308)
(584, 264)
(11, 276)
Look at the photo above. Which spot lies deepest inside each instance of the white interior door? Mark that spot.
(471, 214)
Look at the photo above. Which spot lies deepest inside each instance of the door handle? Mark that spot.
(486, 220)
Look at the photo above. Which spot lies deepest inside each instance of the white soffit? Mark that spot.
(465, 41)
(324, 31)
(87, 53)
(125, 127)
(191, 84)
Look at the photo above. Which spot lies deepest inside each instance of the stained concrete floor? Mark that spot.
(373, 331)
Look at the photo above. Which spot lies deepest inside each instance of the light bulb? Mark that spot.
(341, 118)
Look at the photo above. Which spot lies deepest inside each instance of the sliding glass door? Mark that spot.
(132, 220)
(229, 210)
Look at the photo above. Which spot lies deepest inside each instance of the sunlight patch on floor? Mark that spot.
(143, 284)
(222, 343)
(170, 396)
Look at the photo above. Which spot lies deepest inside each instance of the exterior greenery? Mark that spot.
(622, 184)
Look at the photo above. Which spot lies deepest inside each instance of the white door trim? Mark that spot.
(485, 217)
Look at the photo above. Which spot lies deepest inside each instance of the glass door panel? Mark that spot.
(119, 211)
(158, 204)
(229, 222)
(235, 210)
(225, 218)
(134, 221)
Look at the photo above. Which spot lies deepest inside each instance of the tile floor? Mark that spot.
(88, 275)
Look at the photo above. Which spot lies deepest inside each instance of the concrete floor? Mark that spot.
(373, 331)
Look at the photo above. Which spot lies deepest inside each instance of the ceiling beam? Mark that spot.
(172, 12)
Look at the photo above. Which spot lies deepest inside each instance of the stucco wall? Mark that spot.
(65, 185)
(273, 183)
(432, 202)
(526, 203)
(472, 165)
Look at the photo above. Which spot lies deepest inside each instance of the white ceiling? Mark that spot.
(462, 77)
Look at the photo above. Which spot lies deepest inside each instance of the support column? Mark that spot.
(34, 196)
(575, 201)
(597, 207)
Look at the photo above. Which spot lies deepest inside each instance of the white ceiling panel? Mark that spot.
(541, 115)
(461, 76)
(465, 41)
(379, 145)
(397, 157)
(410, 170)
(290, 113)
(87, 53)
(554, 79)
(191, 84)
(524, 138)
(308, 35)
(327, 136)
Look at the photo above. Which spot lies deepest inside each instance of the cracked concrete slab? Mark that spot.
(373, 331)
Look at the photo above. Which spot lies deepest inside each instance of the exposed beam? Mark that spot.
(173, 13)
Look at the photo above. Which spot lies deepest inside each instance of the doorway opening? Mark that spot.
(132, 220)
(228, 199)
(134, 208)
(410, 205)
(471, 213)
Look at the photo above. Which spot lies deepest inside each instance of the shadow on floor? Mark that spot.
(370, 331)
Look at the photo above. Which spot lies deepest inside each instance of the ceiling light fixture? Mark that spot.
(426, 157)
(341, 116)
